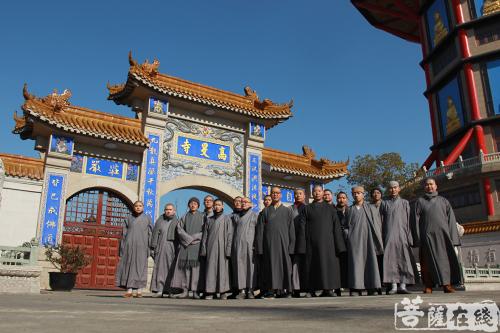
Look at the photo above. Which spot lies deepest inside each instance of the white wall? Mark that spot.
(19, 210)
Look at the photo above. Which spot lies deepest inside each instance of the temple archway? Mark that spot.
(203, 183)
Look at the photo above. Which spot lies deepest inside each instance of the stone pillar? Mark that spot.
(59, 152)
(253, 178)
(153, 118)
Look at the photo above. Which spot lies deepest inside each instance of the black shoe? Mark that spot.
(269, 295)
(296, 294)
(371, 292)
(403, 291)
(354, 291)
(379, 291)
(327, 293)
(183, 294)
(338, 292)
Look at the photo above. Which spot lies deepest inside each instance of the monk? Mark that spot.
(275, 243)
(242, 254)
(164, 250)
(364, 244)
(187, 270)
(216, 249)
(132, 272)
(396, 234)
(435, 234)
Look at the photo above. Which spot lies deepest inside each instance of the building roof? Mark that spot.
(398, 17)
(304, 165)
(249, 104)
(22, 166)
(481, 227)
(55, 110)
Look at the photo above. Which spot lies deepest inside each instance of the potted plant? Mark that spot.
(68, 260)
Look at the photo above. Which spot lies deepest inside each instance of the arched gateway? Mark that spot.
(183, 135)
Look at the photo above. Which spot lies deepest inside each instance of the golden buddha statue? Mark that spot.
(490, 6)
(452, 121)
(440, 30)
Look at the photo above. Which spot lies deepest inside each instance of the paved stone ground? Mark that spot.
(105, 311)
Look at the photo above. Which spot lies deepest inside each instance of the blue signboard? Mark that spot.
(52, 210)
(102, 167)
(203, 149)
(287, 195)
(151, 179)
(254, 181)
(158, 106)
(61, 145)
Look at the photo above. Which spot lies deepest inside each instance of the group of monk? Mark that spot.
(302, 250)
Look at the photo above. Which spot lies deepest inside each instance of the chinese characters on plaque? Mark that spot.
(54, 192)
(203, 149)
(151, 178)
(254, 174)
(103, 167)
(412, 314)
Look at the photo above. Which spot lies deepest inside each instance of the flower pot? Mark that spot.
(62, 281)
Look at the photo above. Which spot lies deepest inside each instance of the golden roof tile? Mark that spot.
(250, 104)
(22, 166)
(304, 165)
(56, 110)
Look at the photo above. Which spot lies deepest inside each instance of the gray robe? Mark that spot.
(364, 244)
(298, 261)
(276, 242)
(132, 271)
(164, 247)
(396, 234)
(187, 270)
(216, 249)
(242, 253)
(435, 232)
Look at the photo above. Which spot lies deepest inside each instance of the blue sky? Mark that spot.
(356, 89)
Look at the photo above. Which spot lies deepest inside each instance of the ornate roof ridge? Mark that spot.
(22, 166)
(56, 110)
(305, 164)
(248, 103)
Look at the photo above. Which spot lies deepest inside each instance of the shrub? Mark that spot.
(67, 258)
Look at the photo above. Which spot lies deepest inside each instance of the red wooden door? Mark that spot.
(94, 220)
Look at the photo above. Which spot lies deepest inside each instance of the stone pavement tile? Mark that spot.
(105, 311)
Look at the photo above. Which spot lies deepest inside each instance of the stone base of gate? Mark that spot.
(20, 279)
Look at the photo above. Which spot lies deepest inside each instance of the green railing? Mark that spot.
(18, 256)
